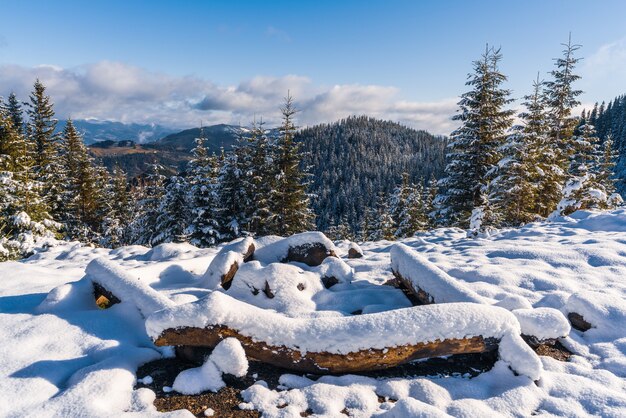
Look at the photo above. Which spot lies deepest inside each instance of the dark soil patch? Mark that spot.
(226, 402)
(557, 351)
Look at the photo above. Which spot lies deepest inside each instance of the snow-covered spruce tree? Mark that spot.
(262, 179)
(605, 170)
(384, 226)
(24, 220)
(116, 223)
(407, 208)
(561, 98)
(143, 227)
(40, 130)
(366, 231)
(431, 206)
(172, 223)
(13, 109)
(526, 170)
(589, 185)
(289, 201)
(233, 200)
(80, 206)
(475, 147)
(203, 185)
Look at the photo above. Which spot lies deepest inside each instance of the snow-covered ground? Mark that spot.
(62, 356)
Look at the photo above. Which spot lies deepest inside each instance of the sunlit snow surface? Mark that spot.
(66, 357)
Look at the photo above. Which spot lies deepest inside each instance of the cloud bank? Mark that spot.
(116, 91)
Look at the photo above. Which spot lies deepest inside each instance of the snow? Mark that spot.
(228, 255)
(343, 335)
(63, 356)
(277, 250)
(230, 358)
(543, 323)
(427, 276)
(227, 357)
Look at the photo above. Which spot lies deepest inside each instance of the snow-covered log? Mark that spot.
(602, 314)
(346, 344)
(354, 251)
(112, 281)
(310, 248)
(429, 283)
(225, 264)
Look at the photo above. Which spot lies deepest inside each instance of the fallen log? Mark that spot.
(226, 262)
(113, 284)
(346, 344)
(322, 362)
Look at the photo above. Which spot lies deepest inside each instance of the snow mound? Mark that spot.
(427, 276)
(128, 288)
(282, 287)
(227, 357)
(221, 264)
(543, 323)
(278, 251)
(199, 379)
(343, 335)
(605, 312)
(169, 251)
(230, 358)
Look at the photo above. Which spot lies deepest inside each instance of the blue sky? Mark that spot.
(220, 60)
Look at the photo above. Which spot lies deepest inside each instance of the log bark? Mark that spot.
(309, 254)
(578, 322)
(227, 277)
(422, 297)
(354, 253)
(323, 362)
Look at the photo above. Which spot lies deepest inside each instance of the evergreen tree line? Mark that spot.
(610, 123)
(499, 173)
(51, 187)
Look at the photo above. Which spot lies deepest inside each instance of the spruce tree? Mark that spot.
(525, 175)
(116, 223)
(80, 197)
(144, 225)
(40, 130)
(13, 110)
(203, 183)
(289, 199)
(475, 147)
(262, 179)
(172, 222)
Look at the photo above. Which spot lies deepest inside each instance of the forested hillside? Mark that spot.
(354, 160)
(610, 121)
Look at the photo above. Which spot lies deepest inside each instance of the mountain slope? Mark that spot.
(354, 159)
(94, 131)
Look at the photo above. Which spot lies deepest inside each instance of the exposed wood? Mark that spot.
(104, 298)
(227, 277)
(354, 253)
(422, 297)
(578, 322)
(310, 254)
(249, 254)
(329, 282)
(324, 363)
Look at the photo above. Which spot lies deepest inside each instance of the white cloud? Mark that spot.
(606, 63)
(116, 91)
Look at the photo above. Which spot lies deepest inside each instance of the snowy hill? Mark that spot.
(62, 356)
(94, 131)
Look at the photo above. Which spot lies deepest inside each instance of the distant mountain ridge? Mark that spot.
(95, 131)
